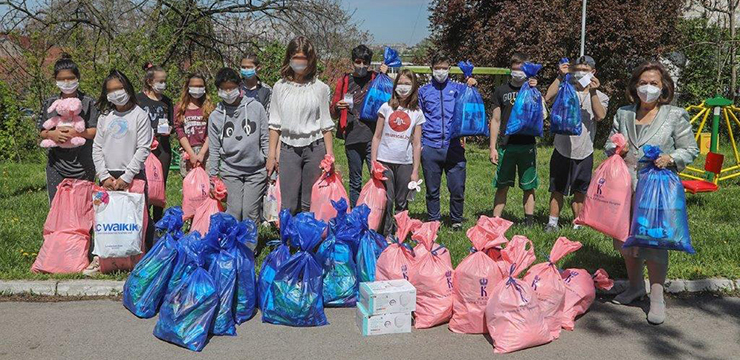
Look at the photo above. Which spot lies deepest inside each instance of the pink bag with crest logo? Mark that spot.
(373, 195)
(67, 229)
(513, 315)
(609, 196)
(327, 188)
(431, 275)
(395, 261)
(155, 179)
(195, 190)
(473, 281)
(580, 292)
(549, 286)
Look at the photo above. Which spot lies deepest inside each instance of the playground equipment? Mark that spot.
(713, 171)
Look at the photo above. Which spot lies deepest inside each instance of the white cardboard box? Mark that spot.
(394, 323)
(385, 297)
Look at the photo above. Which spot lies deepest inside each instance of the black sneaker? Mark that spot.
(457, 226)
(529, 221)
(552, 228)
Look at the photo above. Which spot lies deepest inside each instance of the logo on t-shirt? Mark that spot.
(118, 128)
(399, 121)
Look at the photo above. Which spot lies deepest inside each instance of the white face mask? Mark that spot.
(68, 87)
(441, 75)
(196, 92)
(578, 75)
(297, 67)
(229, 96)
(159, 87)
(518, 76)
(403, 89)
(648, 93)
(118, 97)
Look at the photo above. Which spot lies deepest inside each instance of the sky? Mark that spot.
(392, 21)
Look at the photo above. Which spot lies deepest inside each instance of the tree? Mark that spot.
(620, 35)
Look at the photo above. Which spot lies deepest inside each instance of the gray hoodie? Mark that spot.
(238, 138)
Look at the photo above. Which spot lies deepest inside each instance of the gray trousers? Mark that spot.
(299, 170)
(245, 192)
(397, 192)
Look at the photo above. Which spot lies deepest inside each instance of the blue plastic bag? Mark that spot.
(470, 113)
(659, 219)
(272, 263)
(527, 114)
(336, 255)
(565, 115)
(298, 287)
(380, 89)
(245, 233)
(146, 286)
(222, 269)
(370, 246)
(188, 310)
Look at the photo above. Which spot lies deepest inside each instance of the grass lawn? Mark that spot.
(713, 219)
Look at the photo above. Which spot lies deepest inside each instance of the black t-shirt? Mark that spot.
(158, 109)
(358, 131)
(504, 97)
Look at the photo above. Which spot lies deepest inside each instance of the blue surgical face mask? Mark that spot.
(248, 73)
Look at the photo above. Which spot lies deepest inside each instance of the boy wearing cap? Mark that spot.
(572, 160)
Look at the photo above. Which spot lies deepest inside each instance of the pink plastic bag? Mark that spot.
(127, 263)
(374, 196)
(549, 286)
(580, 292)
(155, 179)
(67, 229)
(497, 227)
(212, 205)
(609, 196)
(271, 202)
(195, 190)
(513, 315)
(474, 278)
(431, 275)
(396, 260)
(327, 188)
(420, 249)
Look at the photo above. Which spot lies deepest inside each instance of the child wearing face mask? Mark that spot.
(70, 163)
(516, 154)
(440, 152)
(251, 85)
(160, 111)
(572, 159)
(122, 142)
(238, 141)
(397, 144)
(357, 133)
(191, 123)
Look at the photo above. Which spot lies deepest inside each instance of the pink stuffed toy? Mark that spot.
(68, 116)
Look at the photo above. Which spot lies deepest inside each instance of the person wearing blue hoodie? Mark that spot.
(238, 141)
(441, 153)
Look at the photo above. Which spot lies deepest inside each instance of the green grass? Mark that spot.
(714, 220)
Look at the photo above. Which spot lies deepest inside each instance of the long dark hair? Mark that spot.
(150, 69)
(412, 100)
(299, 44)
(65, 63)
(666, 96)
(104, 106)
(186, 99)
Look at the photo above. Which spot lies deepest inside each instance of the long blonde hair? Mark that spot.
(186, 99)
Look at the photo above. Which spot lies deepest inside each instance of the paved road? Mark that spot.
(702, 327)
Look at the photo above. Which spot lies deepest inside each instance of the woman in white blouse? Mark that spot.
(300, 120)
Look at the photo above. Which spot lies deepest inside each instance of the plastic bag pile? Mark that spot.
(486, 293)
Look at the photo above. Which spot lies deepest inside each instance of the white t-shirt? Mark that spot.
(395, 145)
(579, 147)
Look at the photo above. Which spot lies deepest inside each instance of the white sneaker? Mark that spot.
(94, 268)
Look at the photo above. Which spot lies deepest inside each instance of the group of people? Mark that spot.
(255, 132)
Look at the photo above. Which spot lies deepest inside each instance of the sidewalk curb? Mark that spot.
(114, 288)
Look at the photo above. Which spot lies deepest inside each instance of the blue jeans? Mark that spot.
(356, 155)
(451, 161)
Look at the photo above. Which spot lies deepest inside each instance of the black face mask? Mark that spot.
(360, 71)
